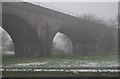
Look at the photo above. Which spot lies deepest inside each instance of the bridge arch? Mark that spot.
(25, 39)
(82, 40)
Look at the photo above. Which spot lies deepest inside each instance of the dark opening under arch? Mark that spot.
(25, 39)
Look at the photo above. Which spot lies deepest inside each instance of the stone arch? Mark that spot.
(25, 39)
(83, 42)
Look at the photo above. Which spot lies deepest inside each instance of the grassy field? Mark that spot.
(61, 60)
(8, 60)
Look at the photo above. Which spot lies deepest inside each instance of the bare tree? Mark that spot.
(99, 31)
(113, 22)
(92, 18)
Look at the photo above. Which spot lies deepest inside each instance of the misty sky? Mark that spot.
(105, 10)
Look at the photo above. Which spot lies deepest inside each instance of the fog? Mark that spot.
(105, 10)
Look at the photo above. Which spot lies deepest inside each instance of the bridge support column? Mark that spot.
(76, 48)
(82, 48)
(46, 47)
(27, 50)
(42, 47)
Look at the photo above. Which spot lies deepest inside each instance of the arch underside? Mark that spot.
(25, 39)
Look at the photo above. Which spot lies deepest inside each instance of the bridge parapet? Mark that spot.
(53, 8)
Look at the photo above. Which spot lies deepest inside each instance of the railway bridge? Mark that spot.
(33, 27)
